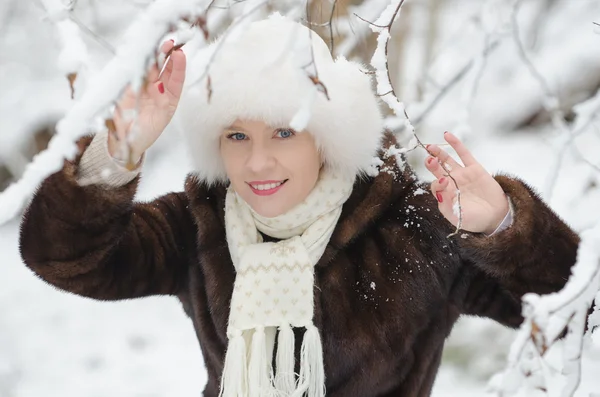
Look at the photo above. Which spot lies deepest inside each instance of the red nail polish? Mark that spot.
(430, 160)
(442, 180)
(161, 88)
(439, 197)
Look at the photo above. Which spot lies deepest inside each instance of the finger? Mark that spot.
(443, 156)
(438, 192)
(163, 58)
(167, 69)
(443, 183)
(177, 73)
(122, 121)
(158, 93)
(445, 196)
(440, 185)
(432, 164)
(152, 75)
(460, 149)
(167, 45)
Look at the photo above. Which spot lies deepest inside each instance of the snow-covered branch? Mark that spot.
(546, 319)
(74, 55)
(352, 33)
(128, 66)
(385, 90)
(551, 103)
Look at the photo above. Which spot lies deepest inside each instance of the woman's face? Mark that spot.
(272, 169)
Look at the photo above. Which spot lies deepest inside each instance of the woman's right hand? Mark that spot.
(157, 102)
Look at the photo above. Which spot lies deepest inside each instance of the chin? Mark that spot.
(268, 206)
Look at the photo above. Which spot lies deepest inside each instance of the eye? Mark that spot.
(285, 133)
(236, 136)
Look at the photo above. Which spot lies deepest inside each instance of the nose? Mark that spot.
(260, 159)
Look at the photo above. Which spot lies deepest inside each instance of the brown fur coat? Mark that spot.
(389, 286)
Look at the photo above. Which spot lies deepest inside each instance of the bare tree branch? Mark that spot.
(101, 40)
(397, 125)
(138, 43)
(384, 82)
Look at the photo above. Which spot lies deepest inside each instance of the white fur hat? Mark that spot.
(261, 72)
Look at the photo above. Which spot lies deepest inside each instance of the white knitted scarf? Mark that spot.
(273, 290)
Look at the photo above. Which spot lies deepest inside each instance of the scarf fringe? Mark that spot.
(233, 382)
(285, 380)
(260, 368)
(312, 372)
(258, 379)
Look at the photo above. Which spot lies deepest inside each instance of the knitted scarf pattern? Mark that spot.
(273, 290)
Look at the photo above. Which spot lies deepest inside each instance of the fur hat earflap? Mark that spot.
(265, 71)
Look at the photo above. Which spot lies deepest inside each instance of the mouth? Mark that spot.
(266, 188)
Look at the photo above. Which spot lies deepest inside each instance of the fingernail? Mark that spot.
(427, 146)
(429, 160)
(161, 88)
(172, 41)
(442, 180)
(445, 132)
(439, 197)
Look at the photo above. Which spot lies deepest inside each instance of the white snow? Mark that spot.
(128, 66)
(53, 343)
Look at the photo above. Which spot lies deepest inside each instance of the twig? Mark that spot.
(550, 101)
(101, 40)
(470, 92)
(580, 155)
(577, 295)
(371, 23)
(137, 44)
(332, 44)
(547, 316)
(315, 77)
(220, 44)
(390, 97)
(445, 89)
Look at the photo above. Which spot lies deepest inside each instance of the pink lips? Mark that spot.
(267, 192)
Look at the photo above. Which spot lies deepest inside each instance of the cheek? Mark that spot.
(312, 160)
(305, 164)
(231, 160)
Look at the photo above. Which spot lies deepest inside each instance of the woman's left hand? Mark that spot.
(483, 202)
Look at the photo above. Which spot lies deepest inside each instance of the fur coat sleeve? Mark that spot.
(94, 241)
(534, 255)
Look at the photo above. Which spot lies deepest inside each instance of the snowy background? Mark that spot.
(56, 344)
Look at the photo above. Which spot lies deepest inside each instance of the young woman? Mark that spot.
(303, 270)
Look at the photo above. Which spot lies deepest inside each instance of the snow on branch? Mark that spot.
(236, 28)
(385, 90)
(547, 318)
(128, 66)
(353, 34)
(551, 104)
(396, 123)
(74, 55)
(473, 78)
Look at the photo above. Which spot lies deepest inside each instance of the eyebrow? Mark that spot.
(235, 127)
